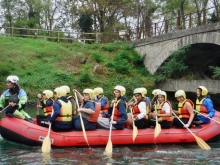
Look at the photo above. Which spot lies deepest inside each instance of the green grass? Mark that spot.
(41, 65)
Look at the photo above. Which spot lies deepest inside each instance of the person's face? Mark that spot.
(117, 93)
(138, 96)
(160, 98)
(86, 96)
(9, 84)
(180, 99)
(198, 92)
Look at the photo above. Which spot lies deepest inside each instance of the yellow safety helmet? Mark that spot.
(121, 89)
(48, 93)
(139, 91)
(180, 93)
(90, 92)
(162, 93)
(204, 90)
(60, 92)
(66, 88)
(154, 92)
(98, 91)
(144, 91)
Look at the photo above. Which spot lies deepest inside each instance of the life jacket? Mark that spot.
(116, 111)
(70, 98)
(93, 117)
(65, 111)
(161, 111)
(137, 110)
(183, 112)
(105, 108)
(48, 109)
(201, 108)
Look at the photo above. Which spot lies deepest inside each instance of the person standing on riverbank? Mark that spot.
(204, 105)
(185, 110)
(14, 90)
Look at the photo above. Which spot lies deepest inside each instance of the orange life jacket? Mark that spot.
(116, 111)
(137, 110)
(183, 112)
(201, 108)
(48, 109)
(93, 117)
(105, 108)
(161, 111)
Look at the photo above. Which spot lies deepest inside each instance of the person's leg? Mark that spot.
(129, 121)
(104, 123)
(19, 114)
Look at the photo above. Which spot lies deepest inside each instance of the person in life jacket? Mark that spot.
(164, 111)
(46, 103)
(185, 110)
(204, 105)
(61, 117)
(89, 110)
(154, 100)
(70, 98)
(120, 114)
(140, 110)
(99, 97)
(14, 92)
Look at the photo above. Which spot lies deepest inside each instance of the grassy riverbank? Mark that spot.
(41, 64)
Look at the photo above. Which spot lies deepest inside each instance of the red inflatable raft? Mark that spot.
(21, 131)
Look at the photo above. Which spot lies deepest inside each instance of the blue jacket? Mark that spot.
(103, 101)
(211, 111)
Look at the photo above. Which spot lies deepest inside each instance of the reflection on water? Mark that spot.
(13, 153)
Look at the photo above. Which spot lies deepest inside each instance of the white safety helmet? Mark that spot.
(139, 91)
(90, 92)
(13, 79)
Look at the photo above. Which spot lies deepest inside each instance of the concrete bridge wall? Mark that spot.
(213, 86)
(158, 49)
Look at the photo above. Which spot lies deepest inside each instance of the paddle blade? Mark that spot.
(202, 143)
(83, 128)
(157, 130)
(108, 148)
(46, 146)
(135, 132)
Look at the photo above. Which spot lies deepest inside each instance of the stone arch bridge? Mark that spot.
(157, 49)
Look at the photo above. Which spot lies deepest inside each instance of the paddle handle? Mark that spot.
(207, 117)
(5, 108)
(113, 111)
(182, 123)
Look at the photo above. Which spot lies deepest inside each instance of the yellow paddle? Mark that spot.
(157, 129)
(46, 146)
(135, 130)
(202, 144)
(108, 148)
(207, 117)
(81, 120)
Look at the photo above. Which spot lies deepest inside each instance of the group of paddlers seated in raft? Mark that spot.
(97, 113)
(63, 110)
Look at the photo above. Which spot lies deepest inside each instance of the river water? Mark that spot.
(160, 154)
